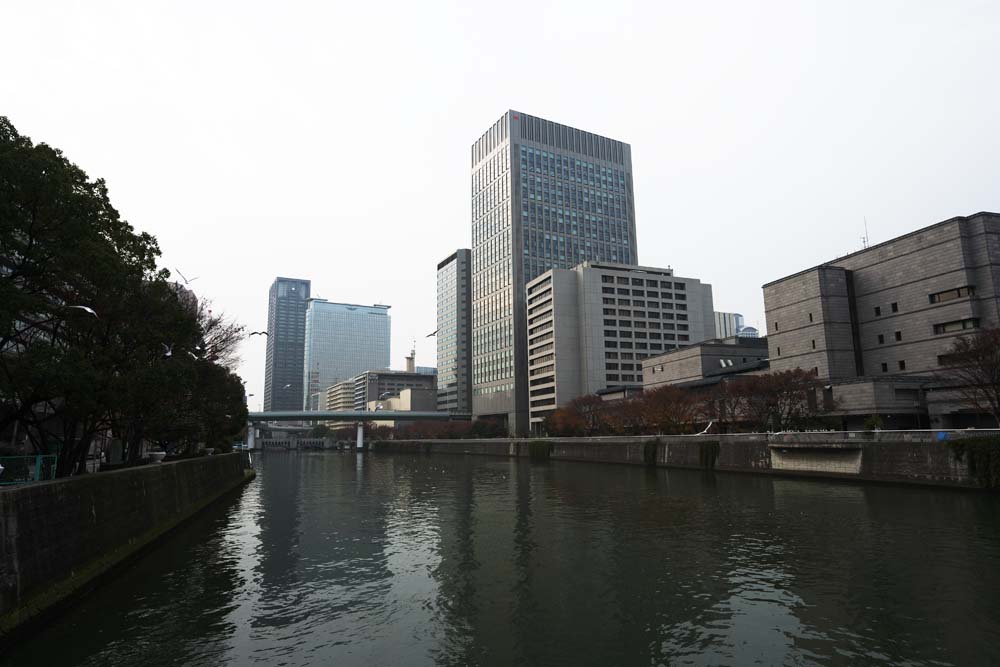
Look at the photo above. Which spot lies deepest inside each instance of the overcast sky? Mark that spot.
(330, 140)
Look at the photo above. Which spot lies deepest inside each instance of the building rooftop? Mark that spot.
(833, 262)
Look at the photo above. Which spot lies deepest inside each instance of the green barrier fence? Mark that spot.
(23, 469)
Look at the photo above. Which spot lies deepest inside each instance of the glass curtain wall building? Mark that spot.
(341, 341)
(544, 196)
(454, 329)
(286, 322)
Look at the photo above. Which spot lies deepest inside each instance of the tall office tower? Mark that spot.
(454, 332)
(341, 340)
(544, 196)
(286, 330)
(727, 325)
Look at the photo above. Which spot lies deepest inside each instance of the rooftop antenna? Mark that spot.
(864, 239)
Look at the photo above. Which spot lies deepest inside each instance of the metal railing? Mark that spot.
(25, 469)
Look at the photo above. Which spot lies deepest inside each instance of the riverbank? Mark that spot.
(942, 458)
(58, 538)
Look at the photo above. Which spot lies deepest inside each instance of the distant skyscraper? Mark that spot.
(454, 332)
(544, 196)
(342, 340)
(286, 326)
(728, 325)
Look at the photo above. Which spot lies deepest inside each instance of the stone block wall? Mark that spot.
(888, 456)
(56, 537)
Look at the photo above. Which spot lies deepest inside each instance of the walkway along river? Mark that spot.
(381, 559)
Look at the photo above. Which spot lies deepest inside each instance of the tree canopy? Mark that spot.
(93, 336)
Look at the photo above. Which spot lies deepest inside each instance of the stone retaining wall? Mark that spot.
(57, 537)
(922, 457)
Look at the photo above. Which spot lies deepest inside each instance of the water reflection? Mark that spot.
(331, 558)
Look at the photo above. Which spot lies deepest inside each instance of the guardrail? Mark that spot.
(26, 469)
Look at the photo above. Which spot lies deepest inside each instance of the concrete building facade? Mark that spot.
(590, 328)
(371, 385)
(705, 363)
(286, 324)
(890, 312)
(340, 397)
(454, 332)
(342, 340)
(728, 325)
(544, 196)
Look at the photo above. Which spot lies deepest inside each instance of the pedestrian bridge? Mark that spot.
(354, 416)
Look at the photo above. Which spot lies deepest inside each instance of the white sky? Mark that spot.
(330, 140)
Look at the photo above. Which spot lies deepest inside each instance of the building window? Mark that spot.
(902, 365)
(951, 294)
(894, 306)
(878, 311)
(779, 350)
(899, 335)
(814, 343)
(885, 367)
(810, 317)
(881, 339)
(816, 371)
(957, 325)
(775, 326)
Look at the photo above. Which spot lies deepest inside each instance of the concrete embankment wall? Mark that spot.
(57, 537)
(920, 457)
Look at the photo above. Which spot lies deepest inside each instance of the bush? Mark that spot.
(982, 455)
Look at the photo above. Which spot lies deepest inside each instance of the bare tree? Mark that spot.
(975, 369)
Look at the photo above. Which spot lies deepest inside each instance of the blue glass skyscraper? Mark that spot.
(342, 340)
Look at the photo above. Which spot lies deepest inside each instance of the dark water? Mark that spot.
(328, 559)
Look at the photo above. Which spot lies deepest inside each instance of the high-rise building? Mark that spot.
(454, 332)
(286, 331)
(728, 325)
(342, 340)
(544, 196)
(591, 327)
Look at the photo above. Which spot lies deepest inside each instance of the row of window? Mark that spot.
(638, 282)
(627, 345)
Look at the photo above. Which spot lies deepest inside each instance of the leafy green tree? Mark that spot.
(92, 335)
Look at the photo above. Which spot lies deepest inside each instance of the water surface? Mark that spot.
(333, 559)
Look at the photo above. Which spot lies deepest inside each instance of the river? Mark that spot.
(337, 559)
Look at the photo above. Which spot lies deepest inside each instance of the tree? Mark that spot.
(975, 368)
(671, 409)
(780, 401)
(583, 416)
(150, 364)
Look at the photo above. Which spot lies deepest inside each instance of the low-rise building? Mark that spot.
(371, 385)
(340, 397)
(591, 327)
(705, 363)
(408, 400)
(880, 323)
